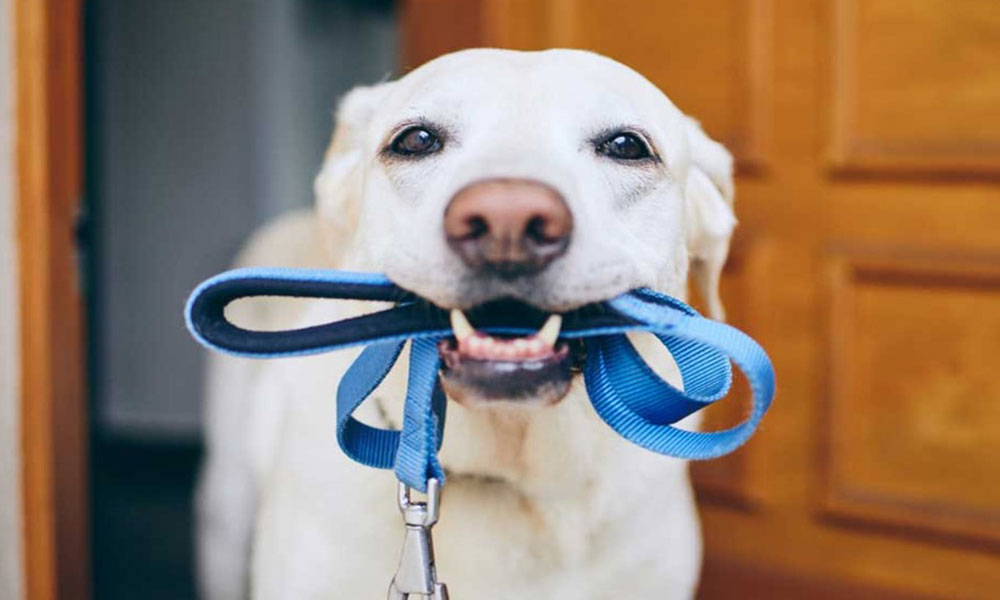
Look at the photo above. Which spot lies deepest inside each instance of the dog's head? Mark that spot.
(533, 182)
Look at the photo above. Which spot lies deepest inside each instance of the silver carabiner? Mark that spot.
(416, 573)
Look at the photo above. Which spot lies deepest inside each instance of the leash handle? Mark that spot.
(623, 389)
(409, 318)
(206, 319)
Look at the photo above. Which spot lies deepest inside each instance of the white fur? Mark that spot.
(541, 502)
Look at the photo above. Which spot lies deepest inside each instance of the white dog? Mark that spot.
(553, 179)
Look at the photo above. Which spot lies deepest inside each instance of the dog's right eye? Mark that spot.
(415, 141)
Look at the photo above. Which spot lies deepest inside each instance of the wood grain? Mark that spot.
(430, 28)
(911, 342)
(53, 407)
(927, 101)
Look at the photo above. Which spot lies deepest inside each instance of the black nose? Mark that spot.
(509, 227)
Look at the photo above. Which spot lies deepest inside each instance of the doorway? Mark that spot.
(204, 120)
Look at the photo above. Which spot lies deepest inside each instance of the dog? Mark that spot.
(553, 179)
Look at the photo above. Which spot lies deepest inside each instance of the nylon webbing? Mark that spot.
(624, 390)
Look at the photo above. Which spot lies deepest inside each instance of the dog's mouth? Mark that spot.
(533, 369)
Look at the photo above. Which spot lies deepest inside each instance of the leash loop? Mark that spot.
(624, 391)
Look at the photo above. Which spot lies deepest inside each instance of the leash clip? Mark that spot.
(416, 574)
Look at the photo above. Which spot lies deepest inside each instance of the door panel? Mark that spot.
(867, 262)
(911, 379)
(916, 85)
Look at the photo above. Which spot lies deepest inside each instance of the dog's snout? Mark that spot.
(509, 227)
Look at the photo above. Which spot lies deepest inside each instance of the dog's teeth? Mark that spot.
(487, 346)
(460, 326)
(550, 331)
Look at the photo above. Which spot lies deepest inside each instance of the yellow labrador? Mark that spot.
(554, 179)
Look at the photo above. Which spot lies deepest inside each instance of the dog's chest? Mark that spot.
(494, 543)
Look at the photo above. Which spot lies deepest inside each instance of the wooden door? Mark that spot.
(48, 65)
(867, 261)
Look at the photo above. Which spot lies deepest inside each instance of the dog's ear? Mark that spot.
(338, 187)
(710, 220)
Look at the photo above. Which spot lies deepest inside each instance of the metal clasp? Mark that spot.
(416, 574)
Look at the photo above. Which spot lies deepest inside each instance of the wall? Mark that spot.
(206, 119)
(10, 473)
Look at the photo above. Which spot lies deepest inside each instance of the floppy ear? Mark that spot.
(339, 185)
(710, 221)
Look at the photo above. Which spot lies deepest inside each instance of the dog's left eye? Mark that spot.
(415, 141)
(624, 145)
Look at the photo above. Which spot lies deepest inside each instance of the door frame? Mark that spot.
(53, 406)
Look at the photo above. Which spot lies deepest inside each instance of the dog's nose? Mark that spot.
(510, 227)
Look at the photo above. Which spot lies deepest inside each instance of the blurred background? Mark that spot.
(204, 120)
(867, 261)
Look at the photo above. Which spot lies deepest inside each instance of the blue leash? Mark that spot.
(623, 389)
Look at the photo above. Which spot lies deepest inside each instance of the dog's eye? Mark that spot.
(624, 146)
(415, 141)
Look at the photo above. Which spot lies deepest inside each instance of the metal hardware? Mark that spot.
(416, 574)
